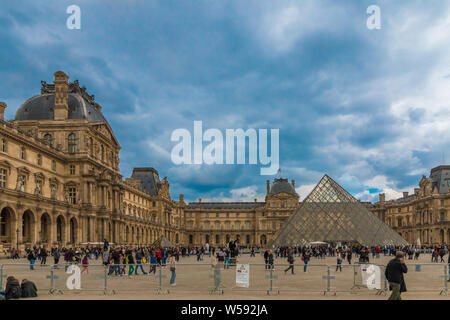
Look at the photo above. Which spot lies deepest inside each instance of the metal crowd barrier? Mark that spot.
(316, 278)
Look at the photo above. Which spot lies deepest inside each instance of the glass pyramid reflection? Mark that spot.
(331, 214)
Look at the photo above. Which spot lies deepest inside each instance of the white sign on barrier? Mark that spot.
(242, 275)
(74, 280)
(371, 276)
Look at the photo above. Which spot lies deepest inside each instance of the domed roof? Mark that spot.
(282, 185)
(41, 107)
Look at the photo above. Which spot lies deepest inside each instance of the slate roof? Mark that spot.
(282, 185)
(149, 179)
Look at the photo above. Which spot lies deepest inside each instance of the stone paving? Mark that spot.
(195, 280)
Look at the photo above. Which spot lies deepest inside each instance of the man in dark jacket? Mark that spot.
(290, 259)
(29, 289)
(394, 274)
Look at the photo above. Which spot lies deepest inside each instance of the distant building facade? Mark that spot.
(422, 217)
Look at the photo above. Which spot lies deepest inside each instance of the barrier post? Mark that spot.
(52, 278)
(161, 276)
(385, 288)
(217, 277)
(1, 276)
(445, 277)
(271, 277)
(328, 277)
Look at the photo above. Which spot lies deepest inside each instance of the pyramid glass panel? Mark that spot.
(331, 214)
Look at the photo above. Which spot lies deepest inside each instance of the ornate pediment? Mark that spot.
(164, 189)
(106, 131)
(7, 165)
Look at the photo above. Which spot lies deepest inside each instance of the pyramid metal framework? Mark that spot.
(331, 214)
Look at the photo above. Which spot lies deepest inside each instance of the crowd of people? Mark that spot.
(128, 261)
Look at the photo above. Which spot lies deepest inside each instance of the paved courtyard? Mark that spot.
(195, 280)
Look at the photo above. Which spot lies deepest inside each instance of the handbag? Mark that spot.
(172, 268)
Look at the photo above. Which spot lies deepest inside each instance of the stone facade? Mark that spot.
(423, 215)
(60, 184)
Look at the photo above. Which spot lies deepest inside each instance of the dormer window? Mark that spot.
(48, 139)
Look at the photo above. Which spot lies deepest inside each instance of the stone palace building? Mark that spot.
(422, 217)
(60, 184)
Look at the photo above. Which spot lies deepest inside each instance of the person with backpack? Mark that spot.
(339, 261)
(290, 259)
(140, 259)
(32, 258)
(43, 254)
(56, 256)
(12, 290)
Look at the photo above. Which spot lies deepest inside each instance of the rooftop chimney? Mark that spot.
(268, 186)
(293, 184)
(382, 197)
(199, 200)
(2, 111)
(181, 197)
(61, 110)
(416, 191)
(405, 194)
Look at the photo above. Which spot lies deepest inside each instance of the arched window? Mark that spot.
(48, 139)
(72, 143)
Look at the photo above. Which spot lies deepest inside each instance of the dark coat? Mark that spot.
(394, 273)
(13, 290)
(29, 290)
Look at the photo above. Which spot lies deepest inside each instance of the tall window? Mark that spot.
(22, 153)
(238, 225)
(49, 139)
(53, 165)
(91, 146)
(72, 169)
(39, 160)
(207, 225)
(217, 225)
(102, 154)
(227, 225)
(248, 225)
(3, 223)
(72, 195)
(72, 143)
(3, 146)
(3, 177)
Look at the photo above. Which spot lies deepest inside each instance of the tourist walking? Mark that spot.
(394, 274)
(290, 260)
(172, 265)
(56, 256)
(85, 264)
(305, 258)
(339, 261)
(32, 258)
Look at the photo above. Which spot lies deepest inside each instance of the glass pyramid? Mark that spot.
(331, 214)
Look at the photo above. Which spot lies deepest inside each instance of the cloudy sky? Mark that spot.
(369, 107)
